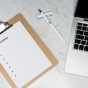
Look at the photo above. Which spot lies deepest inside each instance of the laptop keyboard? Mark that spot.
(81, 38)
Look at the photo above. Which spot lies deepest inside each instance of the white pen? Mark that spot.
(51, 25)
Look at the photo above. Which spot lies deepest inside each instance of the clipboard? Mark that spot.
(43, 47)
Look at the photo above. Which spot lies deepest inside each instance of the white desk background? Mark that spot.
(62, 19)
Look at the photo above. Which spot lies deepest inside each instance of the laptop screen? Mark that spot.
(82, 9)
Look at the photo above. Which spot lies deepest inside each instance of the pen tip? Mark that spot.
(39, 10)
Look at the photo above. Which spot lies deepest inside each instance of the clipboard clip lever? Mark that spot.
(4, 26)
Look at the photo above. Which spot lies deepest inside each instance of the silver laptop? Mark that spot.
(77, 55)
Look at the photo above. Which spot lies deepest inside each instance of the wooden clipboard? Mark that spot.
(40, 43)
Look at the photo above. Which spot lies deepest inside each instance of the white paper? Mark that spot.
(21, 56)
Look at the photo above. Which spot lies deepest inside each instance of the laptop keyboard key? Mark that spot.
(79, 23)
(76, 46)
(79, 32)
(79, 37)
(87, 43)
(77, 41)
(87, 29)
(86, 33)
(84, 24)
(84, 28)
(81, 47)
(86, 38)
(79, 27)
(86, 48)
(83, 42)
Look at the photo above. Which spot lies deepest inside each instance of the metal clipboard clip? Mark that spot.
(4, 26)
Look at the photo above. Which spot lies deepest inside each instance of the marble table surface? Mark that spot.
(62, 19)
